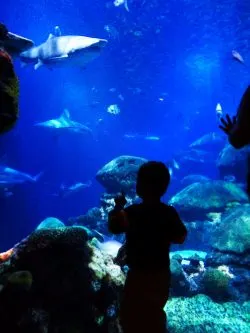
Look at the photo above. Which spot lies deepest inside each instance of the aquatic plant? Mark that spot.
(12, 89)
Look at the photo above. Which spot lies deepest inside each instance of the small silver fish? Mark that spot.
(218, 110)
(113, 109)
(237, 56)
(118, 3)
(176, 165)
(152, 138)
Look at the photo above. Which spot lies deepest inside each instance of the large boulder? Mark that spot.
(120, 174)
(197, 200)
(233, 233)
(50, 223)
(232, 161)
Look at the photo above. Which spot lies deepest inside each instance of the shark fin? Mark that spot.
(38, 64)
(65, 114)
(37, 177)
(57, 31)
(50, 36)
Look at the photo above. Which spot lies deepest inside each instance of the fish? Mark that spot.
(113, 109)
(176, 164)
(152, 138)
(112, 31)
(219, 111)
(10, 177)
(118, 3)
(237, 56)
(65, 123)
(106, 244)
(75, 188)
(144, 137)
(63, 51)
(173, 165)
(5, 192)
(209, 141)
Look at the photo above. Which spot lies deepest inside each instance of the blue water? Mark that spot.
(176, 51)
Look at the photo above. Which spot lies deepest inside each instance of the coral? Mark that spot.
(12, 88)
(20, 279)
(233, 234)
(215, 283)
(200, 314)
(4, 256)
(50, 223)
(68, 284)
(102, 265)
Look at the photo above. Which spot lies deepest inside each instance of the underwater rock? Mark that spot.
(200, 314)
(50, 223)
(230, 244)
(233, 233)
(197, 200)
(233, 161)
(179, 284)
(68, 291)
(216, 284)
(120, 174)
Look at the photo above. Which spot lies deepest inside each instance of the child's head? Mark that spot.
(152, 180)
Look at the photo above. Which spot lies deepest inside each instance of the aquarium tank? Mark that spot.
(90, 91)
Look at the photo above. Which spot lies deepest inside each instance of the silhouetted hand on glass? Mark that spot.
(120, 200)
(227, 124)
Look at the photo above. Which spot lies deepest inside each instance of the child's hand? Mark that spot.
(227, 124)
(120, 200)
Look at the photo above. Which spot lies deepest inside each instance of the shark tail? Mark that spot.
(38, 176)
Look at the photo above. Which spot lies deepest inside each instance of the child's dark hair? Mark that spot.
(152, 179)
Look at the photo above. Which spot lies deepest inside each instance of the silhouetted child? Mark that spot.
(150, 229)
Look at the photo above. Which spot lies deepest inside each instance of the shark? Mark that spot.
(64, 123)
(75, 188)
(61, 51)
(10, 177)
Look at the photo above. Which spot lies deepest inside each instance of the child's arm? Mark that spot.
(179, 231)
(117, 221)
